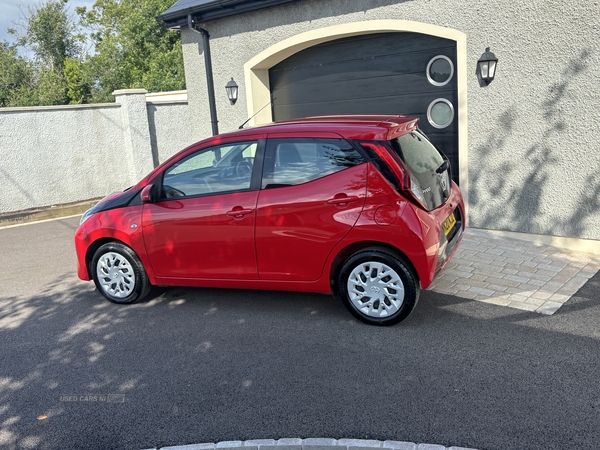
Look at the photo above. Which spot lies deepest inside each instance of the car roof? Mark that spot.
(366, 127)
(371, 127)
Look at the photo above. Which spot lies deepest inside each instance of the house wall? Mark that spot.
(62, 154)
(532, 133)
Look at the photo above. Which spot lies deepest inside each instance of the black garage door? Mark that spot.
(385, 73)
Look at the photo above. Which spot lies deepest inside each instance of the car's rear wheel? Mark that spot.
(119, 274)
(377, 287)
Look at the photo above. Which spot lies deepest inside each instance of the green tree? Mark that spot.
(77, 80)
(132, 50)
(51, 36)
(51, 88)
(17, 83)
(50, 33)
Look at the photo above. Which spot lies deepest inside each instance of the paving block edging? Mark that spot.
(310, 444)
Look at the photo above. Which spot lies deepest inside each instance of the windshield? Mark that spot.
(427, 165)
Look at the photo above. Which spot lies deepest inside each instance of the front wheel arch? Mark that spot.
(91, 251)
(118, 273)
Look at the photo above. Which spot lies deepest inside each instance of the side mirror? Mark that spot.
(149, 194)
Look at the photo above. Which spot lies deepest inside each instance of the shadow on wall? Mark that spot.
(293, 14)
(5, 174)
(513, 194)
(152, 127)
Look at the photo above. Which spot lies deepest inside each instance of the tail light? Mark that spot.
(387, 158)
(408, 183)
(417, 192)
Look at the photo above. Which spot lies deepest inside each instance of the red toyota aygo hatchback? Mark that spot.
(363, 207)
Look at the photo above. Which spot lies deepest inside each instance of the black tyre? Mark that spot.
(377, 287)
(119, 274)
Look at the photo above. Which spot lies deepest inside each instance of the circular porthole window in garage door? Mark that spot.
(440, 70)
(440, 113)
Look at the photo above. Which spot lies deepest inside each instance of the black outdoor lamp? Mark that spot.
(487, 67)
(232, 91)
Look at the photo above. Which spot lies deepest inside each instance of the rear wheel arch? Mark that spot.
(347, 252)
(377, 286)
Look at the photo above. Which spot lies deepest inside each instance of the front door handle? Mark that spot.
(238, 212)
(342, 200)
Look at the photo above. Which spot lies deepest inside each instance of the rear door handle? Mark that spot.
(342, 200)
(239, 213)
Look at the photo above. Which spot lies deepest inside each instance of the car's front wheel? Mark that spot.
(119, 274)
(377, 287)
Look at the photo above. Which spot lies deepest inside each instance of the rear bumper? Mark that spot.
(419, 236)
(449, 244)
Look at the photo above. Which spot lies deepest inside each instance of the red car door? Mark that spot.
(313, 191)
(203, 226)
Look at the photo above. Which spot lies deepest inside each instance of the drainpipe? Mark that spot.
(209, 73)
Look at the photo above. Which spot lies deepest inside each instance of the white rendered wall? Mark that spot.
(62, 154)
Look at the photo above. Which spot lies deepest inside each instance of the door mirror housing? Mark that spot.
(149, 194)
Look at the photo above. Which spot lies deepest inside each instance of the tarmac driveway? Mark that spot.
(204, 365)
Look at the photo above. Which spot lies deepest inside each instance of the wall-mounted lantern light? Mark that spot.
(232, 91)
(487, 67)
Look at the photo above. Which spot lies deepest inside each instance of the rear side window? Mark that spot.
(289, 162)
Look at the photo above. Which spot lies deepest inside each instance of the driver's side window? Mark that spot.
(213, 170)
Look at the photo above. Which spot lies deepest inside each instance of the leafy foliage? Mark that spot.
(16, 78)
(50, 33)
(78, 85)
(132, 50)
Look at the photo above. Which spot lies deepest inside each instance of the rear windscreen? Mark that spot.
(418, 153)
(427, 165)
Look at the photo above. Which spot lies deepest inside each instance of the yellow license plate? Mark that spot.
(448, 224)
